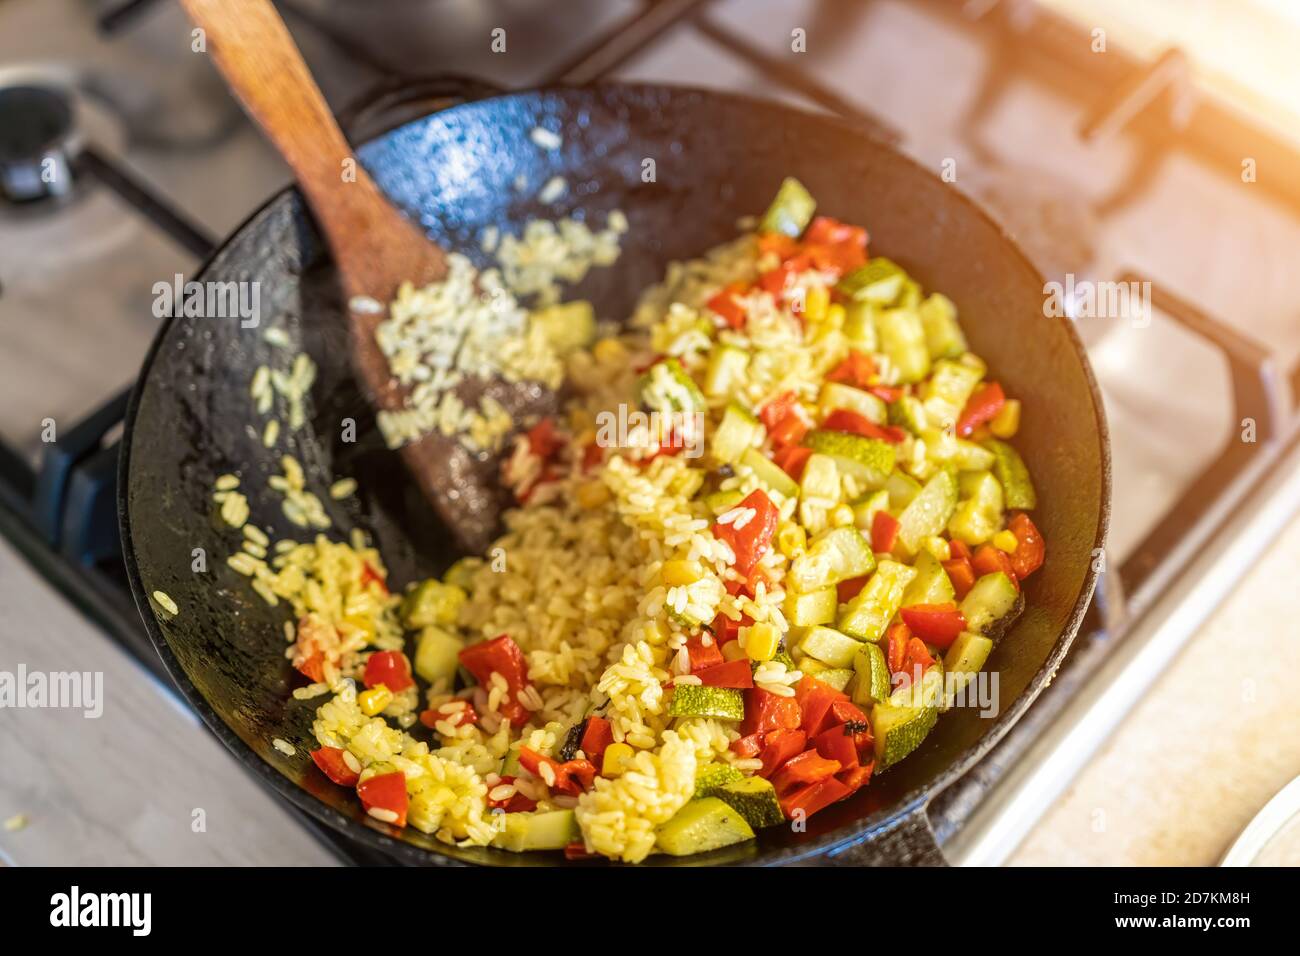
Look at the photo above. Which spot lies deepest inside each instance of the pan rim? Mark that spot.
(862, 830)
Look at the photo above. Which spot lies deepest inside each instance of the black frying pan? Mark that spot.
(717, 157)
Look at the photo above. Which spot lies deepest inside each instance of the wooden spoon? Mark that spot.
(374, 246)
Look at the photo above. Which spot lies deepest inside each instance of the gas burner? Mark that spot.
(39, 140)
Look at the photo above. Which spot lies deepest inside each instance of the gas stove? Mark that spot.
(123, 160)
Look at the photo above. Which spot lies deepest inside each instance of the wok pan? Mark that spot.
(717, 157)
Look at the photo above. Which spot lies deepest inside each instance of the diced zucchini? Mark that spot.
(992, 605)
(902, 489)
(702, 825)
(866, 458)
(836, 395)
(754, 799)
(726, 367)
(791, 210)
(667, 387)
(837, 677)
(829, 646)
(462, 571)
(712, 777)
(820, 479)
(551, 830)
(769, 474)
(873, 675)
(1017, 486)
(860, 325)
(902, 338)
(943, 336)
(835, 555)
(947, 390)
(909, 413)
(909, 297)
(928, 512)
(437, 655)
(815, 607)
(967, 654)
(865, 508)
(696, 700)
(510, 765)
(432, 602)
(979, 515)
(866, 616)
(720, 502)
(734, 434)
(878, 282)
(901, 723)
(931, 584)
(568, 325)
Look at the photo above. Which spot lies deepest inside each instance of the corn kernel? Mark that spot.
(592, 494)
(1006, 541)
(616, 759)
(817, 299)
(374, 700)
(973, 361)
(791, 539)
(938, 547)
(609, 351)
(841, 517)
(835, 316)
(681, 572)
(1006, 422)
(761, 641)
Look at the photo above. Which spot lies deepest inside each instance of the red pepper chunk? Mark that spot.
(815, 700)
(775, 410)
(748, 746)
(312, 667)
(981, 408)
(725, 630)
(542, 440)
(837, 744)
(884, 532)
(577, 850)
(766, 712)
(896, 639)
(856, 370)
(844, 711)
(735, 674)
(990, 560)
(754, 540)
(808, 767)
(390, 668)
(726, 303)
(813, 798)
(846, 591)
(502, 655)
(1030, 550)
(778, 747)
(465, 715)
(571, 777)
(515, 803)
(790, 429)
(596, 736)
(385, 792)
(886, 393)
(937, 624)
(844, 420)
(369, 574)
(791, 459)
(775, 281)
(916, 660)
(961, 574)
(855, 778)
(835, 246)
(333, 765)
(703, 655)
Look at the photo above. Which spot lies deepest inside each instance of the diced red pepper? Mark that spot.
(981, 408)
(577, 850)
(390, 668)
(748, 586)
(856, 370)
(571, 777)
(1030, 550)
(990, 560)
(725, 630)
(896, 639)
(369, 574)
(808, 767)
(726, 303)
(791, 459)
(777, 409)
(884, 532)
(846, 591)
(592, 456)
(778, 242)
(331, 763)
(386, 791)
(465, 715)
(748, 746)
(790, 429)
(502, 655)
(886, 393)
(596, 736)
(916, 660)
(777, 280)
(959, 549)
(312, 667)
(542, 439)
(765, 712)
(844, 420)
(778, 747)
(515, 803)
(703, 655)
(855, 778)
(837, 744)
(754, 540)
(961, 574)
(937, 624)
(815, 797)
(815, 699)
(734, 674)
(844, 711)
(835, 246)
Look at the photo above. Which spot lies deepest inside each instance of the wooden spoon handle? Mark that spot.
(263, 66)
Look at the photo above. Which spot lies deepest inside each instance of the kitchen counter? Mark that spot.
(1193, 763)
